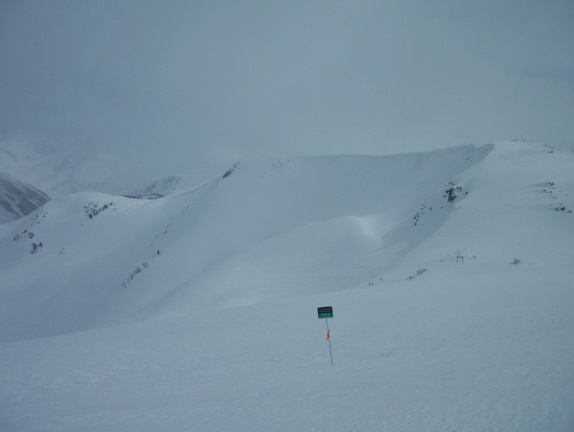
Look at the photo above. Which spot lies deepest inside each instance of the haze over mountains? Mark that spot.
(449, 273)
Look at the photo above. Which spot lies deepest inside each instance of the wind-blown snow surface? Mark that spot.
(197, 311)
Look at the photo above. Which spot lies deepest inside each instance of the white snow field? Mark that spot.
(450, 274)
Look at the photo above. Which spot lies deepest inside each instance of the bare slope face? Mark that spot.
(18, 199)
(265, 230)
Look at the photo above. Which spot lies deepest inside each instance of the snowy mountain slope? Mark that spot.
(237, 267)
(521, 206)
(171, 185)
(18, 199)
(452, 353)
(266, 229)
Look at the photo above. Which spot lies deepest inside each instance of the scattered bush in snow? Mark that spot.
(562, 207)
(451, 192)
(36, 247)
(35, 221)
(550, 188)
(39, 218)
(419, 272)
(421, 213)
(516, 261)
(229, 171)
(280, 164)
(24, 233)
(136, 271)
(92, 209)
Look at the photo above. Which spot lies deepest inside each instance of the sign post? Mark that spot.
(326, 312)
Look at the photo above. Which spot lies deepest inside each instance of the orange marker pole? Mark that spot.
(329, 340)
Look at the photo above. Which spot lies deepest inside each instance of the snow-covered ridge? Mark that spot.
(171, 185)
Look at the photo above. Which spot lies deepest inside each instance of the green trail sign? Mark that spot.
(325, 312)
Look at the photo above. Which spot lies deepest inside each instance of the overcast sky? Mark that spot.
(176, 85)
